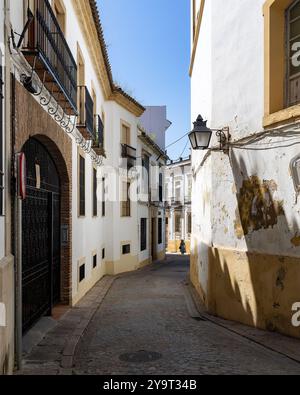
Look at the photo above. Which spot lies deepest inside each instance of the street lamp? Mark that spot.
(200, 136)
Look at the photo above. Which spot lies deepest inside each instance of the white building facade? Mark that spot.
(79, 132)
(152, 159)
(245, 242)
(155, 121)
(178, 199)
(151, 206)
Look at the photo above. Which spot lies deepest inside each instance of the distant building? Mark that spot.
(178, 183)
(151, 208)
(155, 121)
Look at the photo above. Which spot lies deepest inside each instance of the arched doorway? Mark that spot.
(41, 241)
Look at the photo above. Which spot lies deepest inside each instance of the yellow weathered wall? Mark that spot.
(127, 263)
(173, 246)
(254, 289)
(86, 285)
(161, 255)
(144, 263)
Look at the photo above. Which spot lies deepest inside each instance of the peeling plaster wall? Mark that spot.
(245, 260)
(254, 201)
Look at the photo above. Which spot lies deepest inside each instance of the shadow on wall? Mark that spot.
(255, 288)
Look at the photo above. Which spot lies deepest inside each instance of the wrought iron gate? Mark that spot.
(41, 247)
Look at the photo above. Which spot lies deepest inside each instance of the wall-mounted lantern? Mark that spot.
(200, 136)
(295, 169)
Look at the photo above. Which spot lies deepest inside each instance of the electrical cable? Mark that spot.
(175, 142)
(184, 149)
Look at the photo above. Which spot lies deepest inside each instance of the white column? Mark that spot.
(171, 224)
(183, 225)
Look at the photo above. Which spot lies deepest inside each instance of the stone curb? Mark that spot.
(68, 354)
(283, 345)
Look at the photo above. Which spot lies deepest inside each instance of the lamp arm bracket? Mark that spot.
(224, 136)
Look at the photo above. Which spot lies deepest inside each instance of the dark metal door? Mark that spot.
(41, 247)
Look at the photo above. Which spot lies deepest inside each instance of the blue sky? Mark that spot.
(149, 48)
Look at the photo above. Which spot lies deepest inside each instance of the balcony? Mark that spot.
(176, 201)
(179, 201)
(86, 114)
(129, 153)
(188, 199)
(98, 145)
(46, 49)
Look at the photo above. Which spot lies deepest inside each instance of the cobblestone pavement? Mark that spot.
(146, 311)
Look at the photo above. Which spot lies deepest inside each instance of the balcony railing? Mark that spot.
(47, 49)
(176, 201)
(86, 114)
(128, 152)
(188, 199)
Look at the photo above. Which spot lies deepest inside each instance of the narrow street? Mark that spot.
(145, 312)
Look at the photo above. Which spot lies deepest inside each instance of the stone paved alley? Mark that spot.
(144, 313)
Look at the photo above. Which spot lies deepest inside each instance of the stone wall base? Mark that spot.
(254, 289)
(127, 263)
(7, 298)
(173, 246)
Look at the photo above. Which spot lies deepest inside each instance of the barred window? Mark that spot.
(293, 53)
(1, 140)
(94, 261)
(81, 186)
(126, 249)
(103, 198)
(125, 203)
(189, 223)
(145, 175)
(160, 230)
(143, 234)
(95, 201)
(160, 187)
(82, 272)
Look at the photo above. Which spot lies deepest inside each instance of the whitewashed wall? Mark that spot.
(90, 235)
(228, 90)
(122, 229)
(144, 210)
(154, 120)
